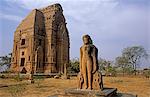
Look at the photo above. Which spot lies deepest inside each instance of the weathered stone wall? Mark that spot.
(23, 44)
(46, 47)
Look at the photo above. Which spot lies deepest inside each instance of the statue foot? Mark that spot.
(85, 87)
(89, 88)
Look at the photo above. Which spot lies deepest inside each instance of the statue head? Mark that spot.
(87, 39)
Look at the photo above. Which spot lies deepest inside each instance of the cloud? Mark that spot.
(11, 17)
(112, 24)
(31, 4)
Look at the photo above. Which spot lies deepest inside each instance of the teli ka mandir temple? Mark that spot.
(41, 42)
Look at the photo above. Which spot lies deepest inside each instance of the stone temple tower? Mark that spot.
(41, 42)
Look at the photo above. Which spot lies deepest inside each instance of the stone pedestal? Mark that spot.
(106, 92)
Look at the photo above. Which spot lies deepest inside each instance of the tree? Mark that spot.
(74, 65)
(122, 62)
(102, 63)
(133, 55)
(111, 70)
(5, 59)
(107, 67)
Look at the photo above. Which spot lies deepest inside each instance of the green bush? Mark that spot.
(74, 66)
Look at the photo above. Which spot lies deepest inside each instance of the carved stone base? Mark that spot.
(97, 81)
(107, 92)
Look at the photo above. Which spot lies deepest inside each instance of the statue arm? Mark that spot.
(80, 59)
(95, 60)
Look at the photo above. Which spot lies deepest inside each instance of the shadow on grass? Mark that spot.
(124, 95)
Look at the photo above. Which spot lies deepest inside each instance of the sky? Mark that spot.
(112, 24)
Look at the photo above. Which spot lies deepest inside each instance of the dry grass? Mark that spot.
(50, 86)
(139, 86)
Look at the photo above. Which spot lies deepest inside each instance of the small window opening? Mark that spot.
(22, 53)
(23, 42)
(22, 61)
(29, 58)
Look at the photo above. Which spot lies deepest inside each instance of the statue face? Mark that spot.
(86, 40)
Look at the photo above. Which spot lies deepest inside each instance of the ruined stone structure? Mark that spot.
(41, 42)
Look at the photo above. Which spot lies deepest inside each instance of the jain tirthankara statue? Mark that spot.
(89, 77)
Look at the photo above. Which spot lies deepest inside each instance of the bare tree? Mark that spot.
(134, 55)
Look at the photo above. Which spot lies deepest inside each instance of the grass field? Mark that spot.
(50, 86)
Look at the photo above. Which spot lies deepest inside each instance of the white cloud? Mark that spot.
(11, 17)
(31, 4)
(112, 25)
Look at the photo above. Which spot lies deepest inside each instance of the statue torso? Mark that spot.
(87, 51)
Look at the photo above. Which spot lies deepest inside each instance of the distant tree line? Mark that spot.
(127, 63)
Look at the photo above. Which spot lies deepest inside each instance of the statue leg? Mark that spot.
(89, 71)
(84, 72)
